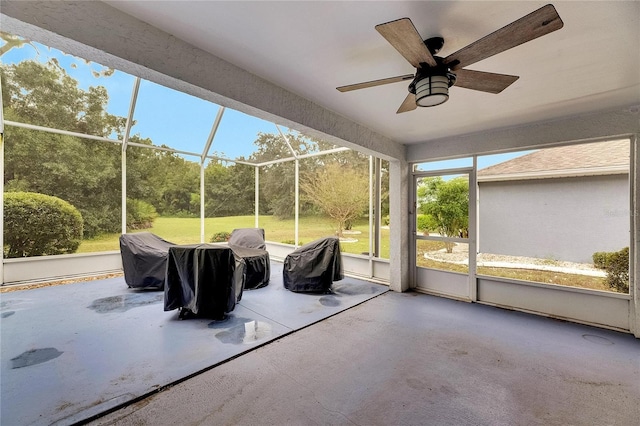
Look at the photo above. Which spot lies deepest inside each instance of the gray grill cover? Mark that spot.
(248, 237)
(314, 266)
(144, 259)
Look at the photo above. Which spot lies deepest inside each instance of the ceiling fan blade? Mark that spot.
(484, 81)
(375, 83)
(536, 24)
(404, 37)
(409, 104)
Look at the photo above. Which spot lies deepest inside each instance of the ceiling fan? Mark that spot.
(434, 75)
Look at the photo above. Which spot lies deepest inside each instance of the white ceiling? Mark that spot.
(310, 48)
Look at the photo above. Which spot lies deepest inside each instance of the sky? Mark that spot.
(176, 119)
(164, 115)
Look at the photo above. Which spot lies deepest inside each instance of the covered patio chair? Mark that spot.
(248, 243)
(144, 259)
(313, 267)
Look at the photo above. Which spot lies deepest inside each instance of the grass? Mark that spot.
(547, 277)
(187, 230)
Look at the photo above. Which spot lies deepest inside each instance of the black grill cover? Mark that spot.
(144, 259)
(206, 280)
(257, 266)
(314, 266)
(249, 244)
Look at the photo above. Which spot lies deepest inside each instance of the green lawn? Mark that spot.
(187, 230)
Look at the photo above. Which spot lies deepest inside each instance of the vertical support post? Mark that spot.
(125, 141)
(297, 199)
(1, 195)
(257, 196)
(1, 187)
(473, 230)
(413, 206)
(203, 158)
(202, 237)
(297, 183)
(399, 211)
(371, 213)
(378, 206)
(123, 171)
(634, 246)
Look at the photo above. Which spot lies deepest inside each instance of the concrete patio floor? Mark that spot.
(72, 352)
(412, 359)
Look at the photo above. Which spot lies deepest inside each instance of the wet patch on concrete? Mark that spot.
(597, 339)
(354, 289)
(247, 333)
(229, 321)
(34, 357)
(124, 302)
(7, 314)
(12, 304)
(329, 301)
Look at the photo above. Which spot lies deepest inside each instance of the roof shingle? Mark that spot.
(596, 155)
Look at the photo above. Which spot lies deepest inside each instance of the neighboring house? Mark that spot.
(562, 203)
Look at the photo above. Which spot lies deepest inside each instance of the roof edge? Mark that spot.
(550, 174)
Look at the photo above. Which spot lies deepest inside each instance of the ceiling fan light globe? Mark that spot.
(432, 90)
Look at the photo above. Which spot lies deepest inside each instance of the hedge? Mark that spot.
(616, 264)
(37, 224)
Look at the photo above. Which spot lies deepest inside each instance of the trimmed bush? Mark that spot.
(618, 271)
(220, 237)
(616, 264)
(37, 225)
(140, 214)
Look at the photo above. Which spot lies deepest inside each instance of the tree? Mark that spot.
(340, 191)
(178, 180)
(277, 181)
(84, 173)
(447, 202)
(229, 190)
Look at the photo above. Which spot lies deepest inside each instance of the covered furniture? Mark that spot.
(248, 243)
(144, 259)
(314, 266)
(204, 280)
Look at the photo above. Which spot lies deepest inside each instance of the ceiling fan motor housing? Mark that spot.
(434, 44)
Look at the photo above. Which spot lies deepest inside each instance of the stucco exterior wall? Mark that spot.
(562, 219)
